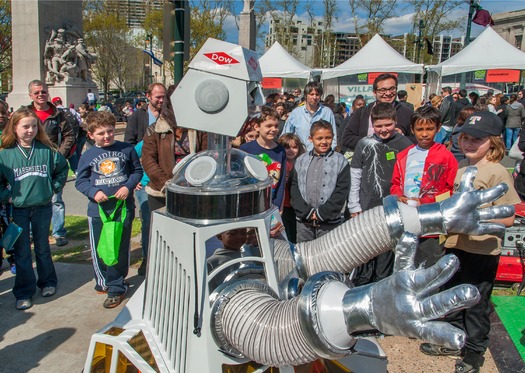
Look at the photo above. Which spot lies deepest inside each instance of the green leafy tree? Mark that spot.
(369, 16)
(107, 33)
(437, 18)
(5, 42)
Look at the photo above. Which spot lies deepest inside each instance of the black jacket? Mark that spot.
(138, 122)
(356, 126)
(448, 111)
(461, 104)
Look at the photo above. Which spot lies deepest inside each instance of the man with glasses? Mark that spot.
(359, 124)
(62, 135)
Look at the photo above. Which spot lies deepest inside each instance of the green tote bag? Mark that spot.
(111, 234)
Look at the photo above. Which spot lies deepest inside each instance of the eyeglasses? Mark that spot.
(36, 93)
(382, 91)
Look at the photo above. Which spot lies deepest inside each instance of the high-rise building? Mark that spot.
(134, 11)
(445, 46)
(510, 26)
(297, 37)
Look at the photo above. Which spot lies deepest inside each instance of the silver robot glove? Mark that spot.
(461, 213)
(401, 304)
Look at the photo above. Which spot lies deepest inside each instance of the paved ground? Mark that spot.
(54, 335)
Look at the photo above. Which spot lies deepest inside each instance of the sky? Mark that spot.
(395, 26)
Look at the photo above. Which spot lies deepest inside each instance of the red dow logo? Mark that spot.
(221, 58)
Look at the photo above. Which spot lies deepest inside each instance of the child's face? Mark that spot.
(233, 239)
(26, 130)
(103, 136)
(474, 149)
(268, 129)
(291, 150)
(425, 132)
(250, 136)
(322, 140)
(384, 128)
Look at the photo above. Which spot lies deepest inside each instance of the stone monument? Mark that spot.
(247, 25)
(48, 45)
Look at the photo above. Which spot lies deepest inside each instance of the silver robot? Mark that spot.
(268, 305)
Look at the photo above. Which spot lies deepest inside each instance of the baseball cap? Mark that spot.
(481, 124)
(54, 100)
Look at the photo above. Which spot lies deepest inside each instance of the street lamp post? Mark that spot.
(149, 37)
(473, 6)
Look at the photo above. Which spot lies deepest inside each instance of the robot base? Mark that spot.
(165, 326)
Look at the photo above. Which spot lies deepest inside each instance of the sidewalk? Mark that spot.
(54, 335)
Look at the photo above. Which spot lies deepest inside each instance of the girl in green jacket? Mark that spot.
(31, 170)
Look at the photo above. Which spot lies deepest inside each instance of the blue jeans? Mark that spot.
(145, 216)
(511, 135)
(73, 160)
(443, 135)
(58, 228)
(37, 219)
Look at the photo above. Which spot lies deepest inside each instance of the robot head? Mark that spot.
(223, 80)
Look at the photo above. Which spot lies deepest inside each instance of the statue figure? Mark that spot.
(85, 59)
(66, 56)
(55, 48)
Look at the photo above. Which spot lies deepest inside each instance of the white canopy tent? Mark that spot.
(376, 56)
(278, 63)
(487, 51)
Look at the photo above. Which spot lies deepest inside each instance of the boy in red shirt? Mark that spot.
(423, 172)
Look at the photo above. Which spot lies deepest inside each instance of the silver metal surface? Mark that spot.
(223, 295)
(402, 305)
(393, 218)
(461, 213)
(309, 317)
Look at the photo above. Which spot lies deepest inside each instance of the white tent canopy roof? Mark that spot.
(376, 56)
(487, 51)
(278, 63)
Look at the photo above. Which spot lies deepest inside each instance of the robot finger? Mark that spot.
(440, 304)
(430, 279)
(405, 252)
(467, 180)
(443, 334)
(496, 212)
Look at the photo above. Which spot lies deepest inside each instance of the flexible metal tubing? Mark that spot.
(266, 330)
(349, 245)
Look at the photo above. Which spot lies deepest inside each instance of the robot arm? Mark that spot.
(377, 230)
(324, 320)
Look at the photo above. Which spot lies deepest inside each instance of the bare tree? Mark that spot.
(437, 18)
(375, 13)
(282, 14)
(324, 43)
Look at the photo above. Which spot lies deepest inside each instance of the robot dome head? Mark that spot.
(223, 80)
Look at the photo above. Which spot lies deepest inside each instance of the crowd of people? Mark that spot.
(340, 163)
(328, 163)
